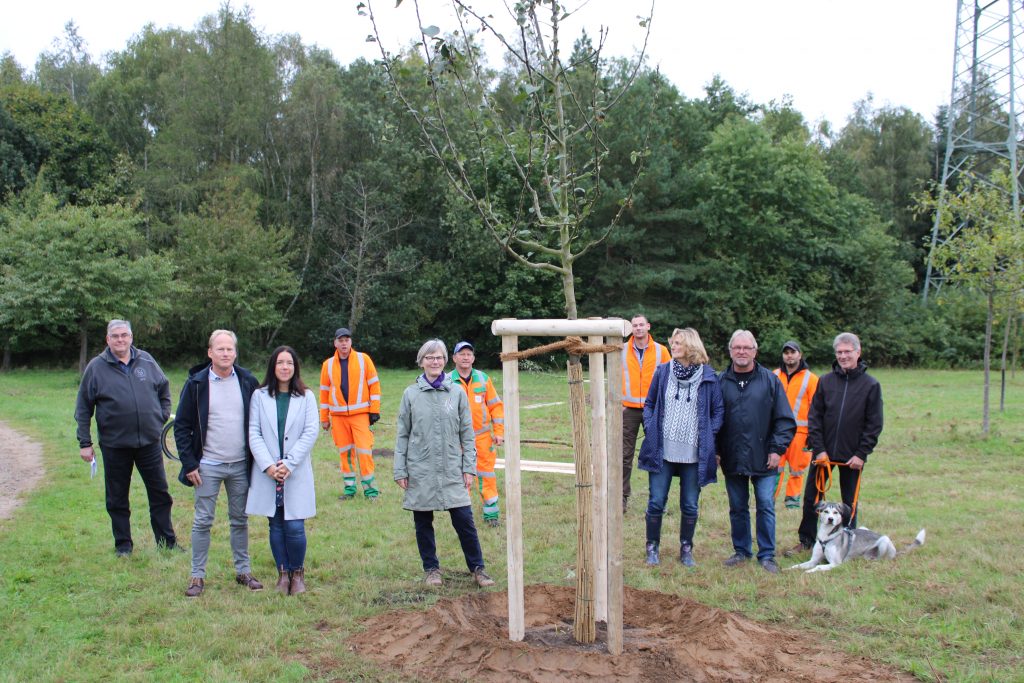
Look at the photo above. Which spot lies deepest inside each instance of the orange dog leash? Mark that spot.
(823, 481)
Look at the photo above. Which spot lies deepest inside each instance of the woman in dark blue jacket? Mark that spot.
(682, 416)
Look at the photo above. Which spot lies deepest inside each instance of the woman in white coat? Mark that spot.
(283, 425)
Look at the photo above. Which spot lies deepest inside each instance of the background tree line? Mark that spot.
(222, 177)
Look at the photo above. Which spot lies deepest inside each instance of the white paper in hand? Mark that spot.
(92, 469)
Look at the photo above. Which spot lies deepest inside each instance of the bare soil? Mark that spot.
(22, 468)
(666, 638)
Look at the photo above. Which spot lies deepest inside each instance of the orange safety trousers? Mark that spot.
(799, 460)
(354, 440)
(486, 481)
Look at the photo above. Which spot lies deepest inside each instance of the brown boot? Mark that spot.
(284, 580)
(298, 584)
(195, 587)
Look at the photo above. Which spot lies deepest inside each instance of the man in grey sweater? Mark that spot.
(211, 431)
(131, 398)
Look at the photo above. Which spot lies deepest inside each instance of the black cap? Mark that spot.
(462, 345)
(342, 332)
(792, 345)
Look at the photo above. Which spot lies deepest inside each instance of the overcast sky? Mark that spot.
(825, 54)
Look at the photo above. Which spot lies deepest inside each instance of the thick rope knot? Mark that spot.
(574, 346)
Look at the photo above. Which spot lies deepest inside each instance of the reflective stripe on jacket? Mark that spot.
(800, 390)
(363, 386)
(484, 402)
(636, 378)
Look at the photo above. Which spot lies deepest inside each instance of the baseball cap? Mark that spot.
(792, 345)
(463, 345)
(342, 332)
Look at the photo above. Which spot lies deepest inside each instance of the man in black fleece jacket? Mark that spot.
(131, 398)
(843, 426)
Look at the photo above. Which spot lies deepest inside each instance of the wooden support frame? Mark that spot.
(606, 436)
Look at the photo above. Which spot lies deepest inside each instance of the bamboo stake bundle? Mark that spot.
(584, 626)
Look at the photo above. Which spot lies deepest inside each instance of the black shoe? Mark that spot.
(122, 552)
(736, 560)
(172, 547)
(770, 565)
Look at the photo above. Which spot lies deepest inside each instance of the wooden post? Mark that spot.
(513, 492)
(598, 439)
(614, 419)
(583, 629)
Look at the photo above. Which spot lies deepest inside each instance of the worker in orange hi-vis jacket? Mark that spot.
(641, 355)
(349, 406)
(800, 384)
(488, 425)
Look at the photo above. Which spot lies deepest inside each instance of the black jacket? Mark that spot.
(758, 421)
(194, 412)
(131, 407)
(846, 414)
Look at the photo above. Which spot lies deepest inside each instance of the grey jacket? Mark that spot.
(301, 428)
(131, 408)
(434, 446)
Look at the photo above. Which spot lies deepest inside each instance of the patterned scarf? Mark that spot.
(682, 373)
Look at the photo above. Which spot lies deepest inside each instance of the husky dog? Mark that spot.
(836, 544)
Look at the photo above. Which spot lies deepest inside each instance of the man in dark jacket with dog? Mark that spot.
(758, 427)
(843, 427)
(211, 431)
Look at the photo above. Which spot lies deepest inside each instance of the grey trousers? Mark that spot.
(632, 420)
(235, 477)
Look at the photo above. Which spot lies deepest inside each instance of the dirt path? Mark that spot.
(667, 638)
(22, 468)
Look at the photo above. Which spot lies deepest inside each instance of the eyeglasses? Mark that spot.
(434, 359)
(123, 335)
(742, 348)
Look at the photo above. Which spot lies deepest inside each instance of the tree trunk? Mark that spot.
(584, 626)
(988, 360)
(83, 347)
(7, 357)
(1002, 364)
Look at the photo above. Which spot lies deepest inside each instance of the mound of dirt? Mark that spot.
(666, 638)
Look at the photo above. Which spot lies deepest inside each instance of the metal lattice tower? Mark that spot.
(986, 103)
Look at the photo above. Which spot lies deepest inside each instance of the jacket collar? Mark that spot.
(861, 369)
(424, 385)
(109, 356)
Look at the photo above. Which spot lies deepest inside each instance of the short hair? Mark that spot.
(295, 385)
(743, 333)
(695, 353)
(846, 338)
(640, 315)
(116, 323)
(430, 346)
(217, 333)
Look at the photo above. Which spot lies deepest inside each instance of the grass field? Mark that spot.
(952, 611)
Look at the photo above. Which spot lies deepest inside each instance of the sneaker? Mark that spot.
(433, 577)
(770, 565)
(494, 523)
(481, 578)
(792, 502)
(195, 588)
(249, 581)
(800, 547)
(736, 560)
(346, 496)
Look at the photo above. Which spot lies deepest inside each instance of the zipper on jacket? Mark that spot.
(842, 407)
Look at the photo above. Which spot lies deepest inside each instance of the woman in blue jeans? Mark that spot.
(283, 425)
(682, 414)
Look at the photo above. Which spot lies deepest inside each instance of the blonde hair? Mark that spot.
(217, 333)
(694, 352)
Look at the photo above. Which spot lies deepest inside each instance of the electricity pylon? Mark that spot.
(986, 102)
